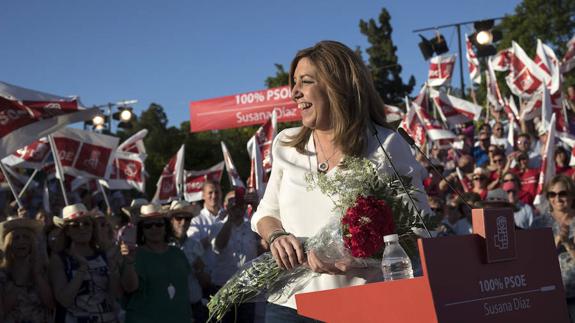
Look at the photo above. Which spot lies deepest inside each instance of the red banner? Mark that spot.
(244, 109)
(194, 181)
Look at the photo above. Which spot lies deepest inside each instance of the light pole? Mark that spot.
(459, 48)
(99, 121)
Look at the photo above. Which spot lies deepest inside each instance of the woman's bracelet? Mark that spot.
(276, 234)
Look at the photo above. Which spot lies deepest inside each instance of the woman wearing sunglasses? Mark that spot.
(560, 193)
(85, 281)
(155, 274)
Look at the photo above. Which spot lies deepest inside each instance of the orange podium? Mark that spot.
(496, 274)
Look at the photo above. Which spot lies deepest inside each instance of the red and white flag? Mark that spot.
(432, 128)
(454, 110)
(525, 77)
(258, 177)
(547, 163)
(264, 138)
(440, 69)
(234, 177)
(128, 172)
(501, 61)
(30, 156)
(568, 61)
(393, 113)
(84, 153)
(547, 61)
(128, 168)
(472, 62)
(493, 93)
(27, 115)
(170, 183)
(135, 144)
(411, 124)
(194, 181)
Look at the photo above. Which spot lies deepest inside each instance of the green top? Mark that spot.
(162, 295)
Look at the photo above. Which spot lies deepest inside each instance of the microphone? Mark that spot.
(418, 211)
(411, 142)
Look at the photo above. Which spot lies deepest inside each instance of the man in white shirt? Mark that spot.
(201, 227)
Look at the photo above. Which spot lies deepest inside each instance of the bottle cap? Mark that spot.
(390, 237)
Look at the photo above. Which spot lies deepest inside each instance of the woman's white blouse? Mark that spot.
(304, 212)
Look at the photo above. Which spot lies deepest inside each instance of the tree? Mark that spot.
(383, 62)
(549, 20)
(281, 78)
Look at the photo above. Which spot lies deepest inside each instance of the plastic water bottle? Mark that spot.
(395, 263)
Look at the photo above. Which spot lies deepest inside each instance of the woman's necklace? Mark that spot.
(323, 166)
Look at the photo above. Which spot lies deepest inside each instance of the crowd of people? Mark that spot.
(154, 263)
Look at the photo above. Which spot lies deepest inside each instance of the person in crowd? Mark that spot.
(86, 281)
(524, 196)
(480, 180)
(133, 211)
(524, 147)
(154, 274)
(180, 214)
(463, 211)
(431, 182)
(234, 245)
(25, 292)
(341, 116)
(480, 151)
(560, 192)
(465, 166)
(522, 213)
(55, 238)
(498, 137)
(497, 167)
(201, 230)
(529, 176)
(562, 162)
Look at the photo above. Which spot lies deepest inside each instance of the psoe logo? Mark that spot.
(53, 106)
(501, 238)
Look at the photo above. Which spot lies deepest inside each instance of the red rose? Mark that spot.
(365, 224)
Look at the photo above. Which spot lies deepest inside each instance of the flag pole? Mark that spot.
(33, 175)
(101, 188)
(58, 165)
(12, 188)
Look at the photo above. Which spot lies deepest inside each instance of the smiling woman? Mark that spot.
(342, 115)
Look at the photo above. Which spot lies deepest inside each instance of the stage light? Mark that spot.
(125, 115)
(98, 121)
(484, 37)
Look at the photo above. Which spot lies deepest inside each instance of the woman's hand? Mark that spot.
(339, 267)
(287, 251)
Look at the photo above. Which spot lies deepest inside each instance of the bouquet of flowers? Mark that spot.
(367, 207)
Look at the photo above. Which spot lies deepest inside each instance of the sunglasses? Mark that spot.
(180, 218)
(498, 129)
(479, 178)
(498, 160)
(507, 180)
(79, 224)
(153, 224)
(562, 194)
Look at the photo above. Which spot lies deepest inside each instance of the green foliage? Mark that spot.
(281, 78)
(383, 62)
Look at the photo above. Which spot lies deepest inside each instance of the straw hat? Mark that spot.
(135, 205)
(151, 210)
(19, 223)
(182, 208)
(74, 211)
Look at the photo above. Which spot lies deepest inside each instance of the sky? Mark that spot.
(174, 52)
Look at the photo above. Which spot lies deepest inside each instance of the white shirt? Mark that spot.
(193, 250)
(241, 248)
(304, 213)
(201, 228)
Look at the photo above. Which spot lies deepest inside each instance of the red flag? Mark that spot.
(493, 93)
(472, 62)
(440, 69)
(128, 172)
(454, 110)
(233, 175)
(412, 125)
(27, 115)
(169, 186)
(547, 163)
(260, 150)
(547, 61)
(135, 144)
(568, 61)
(393, 113)
(525, 77)
(432, 128)
(85, 153)
(194, 180)
(30, 156)
(501, 62)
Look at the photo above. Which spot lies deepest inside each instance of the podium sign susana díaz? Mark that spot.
(497, 274)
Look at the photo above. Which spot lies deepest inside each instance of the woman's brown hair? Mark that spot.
(354, 102)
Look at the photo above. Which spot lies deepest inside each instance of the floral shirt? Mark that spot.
(29, 307)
